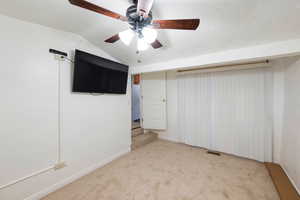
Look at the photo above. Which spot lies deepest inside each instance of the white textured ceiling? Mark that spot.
(225, 24)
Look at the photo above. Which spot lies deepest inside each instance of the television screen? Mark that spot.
(93, 74)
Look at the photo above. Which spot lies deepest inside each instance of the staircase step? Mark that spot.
(137, 131)
(136, 125)
(144, 139)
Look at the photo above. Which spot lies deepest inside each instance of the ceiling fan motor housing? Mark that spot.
(136, 21)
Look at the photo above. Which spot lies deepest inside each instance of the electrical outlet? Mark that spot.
(60, 165)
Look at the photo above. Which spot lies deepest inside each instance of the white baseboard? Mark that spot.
(45, 192)
(292, 181)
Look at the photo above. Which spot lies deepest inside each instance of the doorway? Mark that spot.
(136, 105)
(148, 107)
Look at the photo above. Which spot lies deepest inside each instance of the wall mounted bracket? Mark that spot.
(54, 51)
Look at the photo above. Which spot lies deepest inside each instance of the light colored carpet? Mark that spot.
(143, 139)
(167, 171)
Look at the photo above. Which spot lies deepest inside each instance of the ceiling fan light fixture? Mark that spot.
(149, 34)
(139, 17)
(127, 36)
(142, 45)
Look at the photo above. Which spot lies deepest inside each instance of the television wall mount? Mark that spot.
(56, 52)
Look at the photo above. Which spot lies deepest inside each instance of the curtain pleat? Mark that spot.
(227, 111)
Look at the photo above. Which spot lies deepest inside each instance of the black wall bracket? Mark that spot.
(58, 52)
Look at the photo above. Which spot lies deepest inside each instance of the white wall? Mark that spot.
(290, 146)
(95, 129)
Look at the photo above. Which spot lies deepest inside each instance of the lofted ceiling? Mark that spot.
(225, 24)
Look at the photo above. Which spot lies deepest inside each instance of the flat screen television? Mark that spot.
(93, 74)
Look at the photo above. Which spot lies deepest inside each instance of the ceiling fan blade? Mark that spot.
(97, 9)
(156, 44)
(181, 24)
(144, 6)
(113, 39)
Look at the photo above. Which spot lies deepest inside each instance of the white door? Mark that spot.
(153, 90)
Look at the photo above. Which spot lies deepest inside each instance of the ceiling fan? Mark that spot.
(139, 17)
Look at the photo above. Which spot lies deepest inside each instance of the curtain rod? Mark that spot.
(223, 66)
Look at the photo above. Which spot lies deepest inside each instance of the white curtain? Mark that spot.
(227, 111)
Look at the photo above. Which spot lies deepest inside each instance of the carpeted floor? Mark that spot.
(167, 171)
